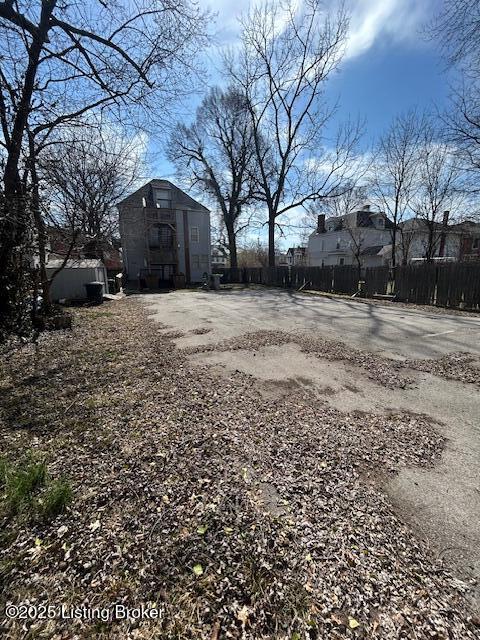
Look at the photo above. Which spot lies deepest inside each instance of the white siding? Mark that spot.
(331, 246)
(70, 282)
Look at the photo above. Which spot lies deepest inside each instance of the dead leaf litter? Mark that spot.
(237, 516)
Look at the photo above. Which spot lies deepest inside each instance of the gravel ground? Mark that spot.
(239, 517)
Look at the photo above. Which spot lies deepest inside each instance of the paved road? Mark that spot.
(396, 332)
(442, 504)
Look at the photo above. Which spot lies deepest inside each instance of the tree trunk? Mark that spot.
(40, 225)
(359, 269)
(232, 245)
(42, 255)
(16, 225)
(271, 241)
(431, 242)
(394, 245)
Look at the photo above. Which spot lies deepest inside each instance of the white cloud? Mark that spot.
(227, 27)
(393, 20)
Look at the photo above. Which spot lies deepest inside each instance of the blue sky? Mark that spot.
(388, 68)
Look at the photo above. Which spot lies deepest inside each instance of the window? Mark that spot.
(476, 243)
(341, 261)
(161, 237)
(165, 237)
(194, 234)
(196, 261)
(204, 260)
(163, 198)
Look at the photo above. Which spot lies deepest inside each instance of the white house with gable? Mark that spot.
(338, 240)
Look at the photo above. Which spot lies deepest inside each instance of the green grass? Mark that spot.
(27, 490)
(55, 499)
(21, 482)
(3, 472)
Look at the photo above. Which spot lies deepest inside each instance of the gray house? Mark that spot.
(165, 236)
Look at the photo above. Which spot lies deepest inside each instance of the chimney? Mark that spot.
(321, 223)
(366, 207)
(446, 215)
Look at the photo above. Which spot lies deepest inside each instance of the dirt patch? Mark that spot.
(383, 370)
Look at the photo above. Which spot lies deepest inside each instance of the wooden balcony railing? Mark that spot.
(163, 255)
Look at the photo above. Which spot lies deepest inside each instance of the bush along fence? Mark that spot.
(454, 285)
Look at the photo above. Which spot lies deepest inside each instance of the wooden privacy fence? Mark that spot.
(454, 285)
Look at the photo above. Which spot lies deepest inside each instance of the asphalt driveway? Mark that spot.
(442, 504)
(397, 332)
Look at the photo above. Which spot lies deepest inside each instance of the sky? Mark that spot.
(389, 65)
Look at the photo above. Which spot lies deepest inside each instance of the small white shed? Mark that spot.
(70, 282)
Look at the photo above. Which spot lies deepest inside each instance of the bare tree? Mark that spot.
(439, 186)
(253, 254)
(356, 239)
(286, 58)
(394, 171)
(408, 232)
(457, 30)
(462, 131)
(84, 175)
(60, 60)
(346, 205)
(216, 154)
(350, 199)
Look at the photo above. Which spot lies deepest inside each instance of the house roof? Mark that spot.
(361, 218)
(419, 224)
(87, 263)
(372, 251)
(293, 249)
(146, 191)
(221, 250)
(365, 219)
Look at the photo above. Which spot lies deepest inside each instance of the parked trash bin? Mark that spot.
(111, 286)
(94, 292)
(215, 281)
